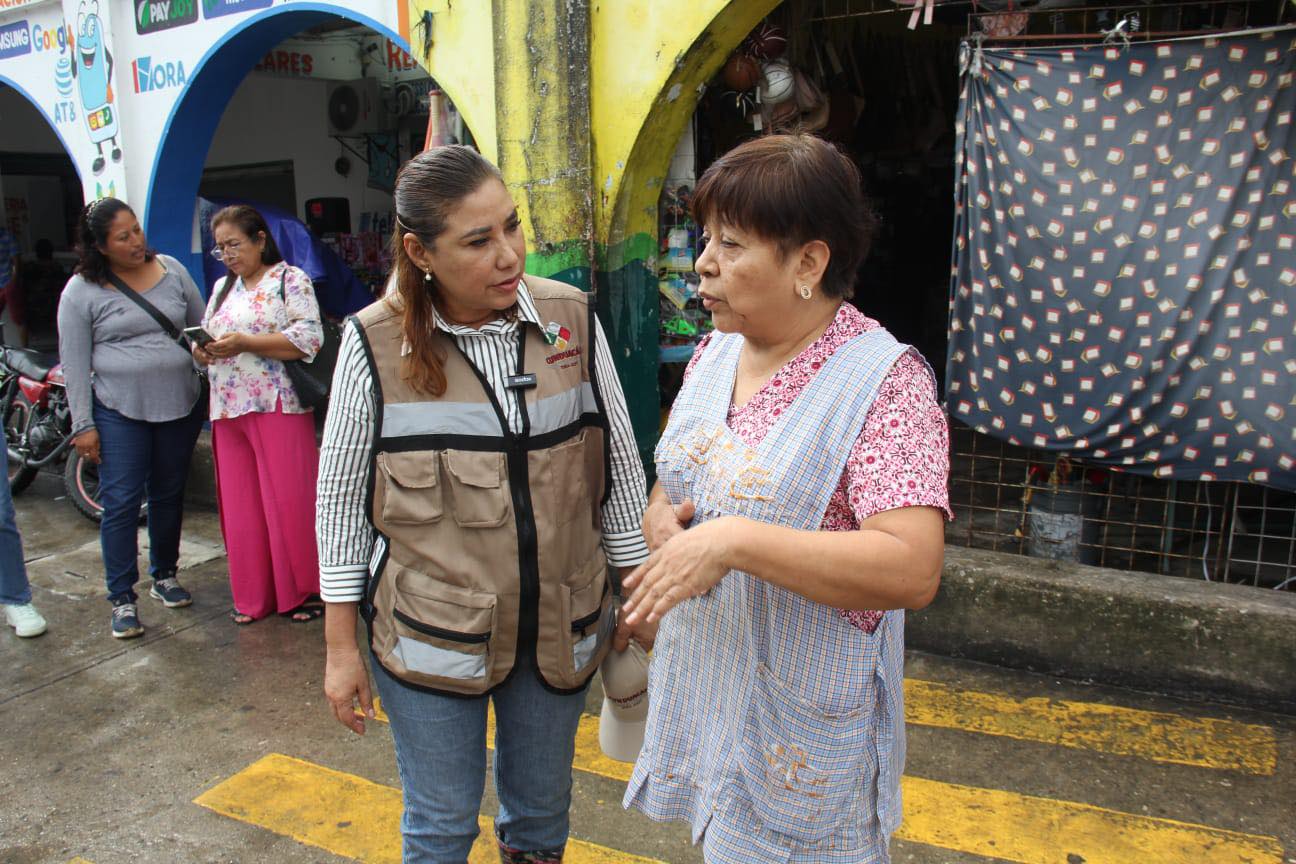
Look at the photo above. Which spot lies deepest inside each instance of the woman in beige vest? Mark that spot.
(478, 476)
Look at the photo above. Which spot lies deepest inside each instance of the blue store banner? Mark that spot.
(217, 8)
(1125, 254)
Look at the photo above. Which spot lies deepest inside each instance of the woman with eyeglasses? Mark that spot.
(263, 439)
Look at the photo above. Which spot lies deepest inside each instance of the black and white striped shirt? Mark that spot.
(347, 540)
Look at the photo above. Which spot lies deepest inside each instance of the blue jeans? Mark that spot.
(441, 754)
(14, 589)
(140, 457)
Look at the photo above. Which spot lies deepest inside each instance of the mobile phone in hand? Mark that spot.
(199, 336)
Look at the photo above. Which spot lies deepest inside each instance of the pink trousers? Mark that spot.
(266, 465)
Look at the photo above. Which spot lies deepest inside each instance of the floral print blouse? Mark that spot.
(901, 457)
(249, 383)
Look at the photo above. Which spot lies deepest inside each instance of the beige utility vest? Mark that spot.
(490, 540)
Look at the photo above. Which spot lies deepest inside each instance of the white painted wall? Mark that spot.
(272, 119)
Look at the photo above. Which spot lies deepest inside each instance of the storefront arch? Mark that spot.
(6, 81)
(187, 135)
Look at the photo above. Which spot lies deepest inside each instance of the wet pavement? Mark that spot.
(207, 742)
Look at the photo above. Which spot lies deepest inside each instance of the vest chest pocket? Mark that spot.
(569, 497)
(480, 498)
(411, 491)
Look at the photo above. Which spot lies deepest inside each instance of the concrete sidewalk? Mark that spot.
(1164, 634)
(157, 749)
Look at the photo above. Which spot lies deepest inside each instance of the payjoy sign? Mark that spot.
(154, 15)
(150, 76)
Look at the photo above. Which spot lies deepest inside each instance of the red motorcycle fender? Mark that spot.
(37, 392)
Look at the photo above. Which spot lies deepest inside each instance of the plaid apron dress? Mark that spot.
(775, 727)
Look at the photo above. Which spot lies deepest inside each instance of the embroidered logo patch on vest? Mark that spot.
(557, 335)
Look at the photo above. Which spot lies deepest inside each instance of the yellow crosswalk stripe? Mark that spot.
(1202, 742)
(1014, 827)
(348, 815)
(1031, 830)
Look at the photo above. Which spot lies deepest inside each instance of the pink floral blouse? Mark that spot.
(900, 459)
(249, 383)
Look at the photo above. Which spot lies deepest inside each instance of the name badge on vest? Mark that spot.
(520, 382)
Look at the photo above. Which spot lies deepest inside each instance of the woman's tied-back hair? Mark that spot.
(428, 188)
(793, 189)
(250, 221)
(92, 232)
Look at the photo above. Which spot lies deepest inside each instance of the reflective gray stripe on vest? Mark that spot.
(583, 651)
(440, 418)
(479, 418)
(561, 409)
(431, 660)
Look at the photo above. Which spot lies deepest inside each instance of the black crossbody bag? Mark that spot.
(170, 329)
(313, 380)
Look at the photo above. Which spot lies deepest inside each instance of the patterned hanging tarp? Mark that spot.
(1125, 254)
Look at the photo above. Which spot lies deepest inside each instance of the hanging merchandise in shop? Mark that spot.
(1124, 261)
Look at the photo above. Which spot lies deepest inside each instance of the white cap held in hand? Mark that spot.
(625, 703)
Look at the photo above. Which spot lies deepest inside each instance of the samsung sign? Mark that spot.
(15, 39)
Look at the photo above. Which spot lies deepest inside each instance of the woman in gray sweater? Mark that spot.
(134, 395)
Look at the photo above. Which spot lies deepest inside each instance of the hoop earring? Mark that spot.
(805, 292)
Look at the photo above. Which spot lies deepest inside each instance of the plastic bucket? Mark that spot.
(1055, 525)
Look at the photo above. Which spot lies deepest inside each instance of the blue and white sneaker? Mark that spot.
(125, 621)
(170, 592)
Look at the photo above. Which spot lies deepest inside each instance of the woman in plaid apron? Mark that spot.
(798, 513)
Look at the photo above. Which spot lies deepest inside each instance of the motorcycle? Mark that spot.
(38, 427)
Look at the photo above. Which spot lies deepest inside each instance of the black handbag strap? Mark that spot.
(164, 322)
(226, 286)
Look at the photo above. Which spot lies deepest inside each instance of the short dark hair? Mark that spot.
(250, 221)
(92, 232)
(793, 189)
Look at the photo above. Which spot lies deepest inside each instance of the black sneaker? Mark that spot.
(125, 621)
(170, 592)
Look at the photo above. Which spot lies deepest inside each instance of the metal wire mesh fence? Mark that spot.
(1016, 499)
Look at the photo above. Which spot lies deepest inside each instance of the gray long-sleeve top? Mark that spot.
(115, 352)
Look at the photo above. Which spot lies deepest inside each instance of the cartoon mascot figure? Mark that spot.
(92, 67)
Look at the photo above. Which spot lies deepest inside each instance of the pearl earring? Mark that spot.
(804, 291)
(427, 276)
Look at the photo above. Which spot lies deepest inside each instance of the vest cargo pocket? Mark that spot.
(411, 493)
(476, 487)
(588, 611)
(568, 486)
(805, 770)
(441, 632)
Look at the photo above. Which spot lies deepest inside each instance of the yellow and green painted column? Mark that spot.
(581, 103)
(648, 61)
